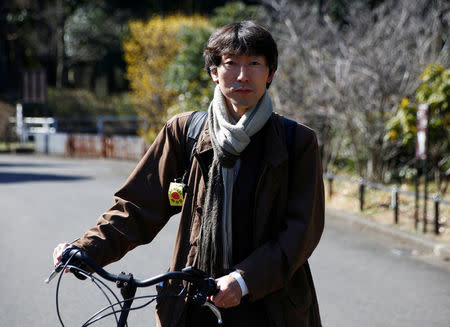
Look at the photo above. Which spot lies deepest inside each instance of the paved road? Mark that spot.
(362, 279)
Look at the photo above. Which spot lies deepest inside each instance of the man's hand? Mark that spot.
(57, 253)
(230, 292)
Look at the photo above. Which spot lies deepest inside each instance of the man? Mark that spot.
(254, 206)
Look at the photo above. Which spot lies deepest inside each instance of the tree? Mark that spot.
(149, 50)
(346, 76)
(186, 76)
(236, 11)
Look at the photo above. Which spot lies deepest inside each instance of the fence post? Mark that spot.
(330, 185)
(436, 213)
(394, 201)
(416, 197)
(100, 123)
(361, 194)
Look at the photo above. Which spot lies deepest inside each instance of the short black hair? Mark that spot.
(241, 38)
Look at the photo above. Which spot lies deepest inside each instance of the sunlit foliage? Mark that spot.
(149, 50)
(401, 129)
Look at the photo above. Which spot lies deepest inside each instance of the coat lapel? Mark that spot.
(274, 176)
(275, 151)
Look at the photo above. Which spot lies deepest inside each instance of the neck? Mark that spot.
(235, 112)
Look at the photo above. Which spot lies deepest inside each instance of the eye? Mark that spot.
(255, 63)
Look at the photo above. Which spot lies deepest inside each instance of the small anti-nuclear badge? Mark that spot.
(176, 194)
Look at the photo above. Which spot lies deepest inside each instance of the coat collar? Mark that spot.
(275, 151)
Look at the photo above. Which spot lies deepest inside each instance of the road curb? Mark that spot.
(438, 249)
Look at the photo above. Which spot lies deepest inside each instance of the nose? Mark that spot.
(243, 73)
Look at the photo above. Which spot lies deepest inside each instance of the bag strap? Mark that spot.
(289, 129)
(195, 124)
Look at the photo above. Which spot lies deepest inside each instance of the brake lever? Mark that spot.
(65, 256)
(215, 310)
(53, 274)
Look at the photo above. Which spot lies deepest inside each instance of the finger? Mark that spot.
(219, 300)
(57, 252)
(220, 295)
(56, 256)
(225, 303)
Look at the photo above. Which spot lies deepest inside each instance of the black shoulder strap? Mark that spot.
(289, 128)
(195, 124)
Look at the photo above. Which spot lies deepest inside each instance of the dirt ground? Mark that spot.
(377, 207)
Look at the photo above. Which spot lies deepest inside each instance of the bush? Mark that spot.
(402, 130)
(68, 103)
(6, 111)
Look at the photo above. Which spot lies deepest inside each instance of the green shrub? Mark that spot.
(77, 103)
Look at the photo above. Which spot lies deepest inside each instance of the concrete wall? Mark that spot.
(89, 145)
(57, 143)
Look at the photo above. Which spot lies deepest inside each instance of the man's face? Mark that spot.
(242, 80)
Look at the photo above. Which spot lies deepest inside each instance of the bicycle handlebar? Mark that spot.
(203, 286)
(189, 274)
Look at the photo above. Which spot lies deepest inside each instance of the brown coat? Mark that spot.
(289, 211)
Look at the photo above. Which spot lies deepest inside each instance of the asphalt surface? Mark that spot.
(363, 277)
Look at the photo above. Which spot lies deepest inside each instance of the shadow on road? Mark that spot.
(17, 177)
(29, 165)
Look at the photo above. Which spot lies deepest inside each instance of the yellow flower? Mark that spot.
(404, 103)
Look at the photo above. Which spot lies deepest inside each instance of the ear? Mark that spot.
(270, 77)
(214, 75)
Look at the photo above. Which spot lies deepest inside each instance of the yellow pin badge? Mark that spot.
(176, 194)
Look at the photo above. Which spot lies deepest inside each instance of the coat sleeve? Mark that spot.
(141, 207)
(273, 264)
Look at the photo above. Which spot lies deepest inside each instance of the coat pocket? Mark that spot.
(290, 306)
(298, 300)
(299, 291)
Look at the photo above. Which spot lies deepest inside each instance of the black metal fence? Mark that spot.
(438, 223)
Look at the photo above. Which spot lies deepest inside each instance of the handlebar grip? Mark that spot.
(211, 288)
(208, 284)
(80, 259)
(75, 255)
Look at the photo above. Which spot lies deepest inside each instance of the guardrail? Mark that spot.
(395, 191)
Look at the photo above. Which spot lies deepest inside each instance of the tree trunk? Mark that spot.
(60, 50)
(354, 142)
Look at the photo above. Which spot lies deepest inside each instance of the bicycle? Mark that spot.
(198, 287)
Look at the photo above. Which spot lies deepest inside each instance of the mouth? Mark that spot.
(243, 90)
